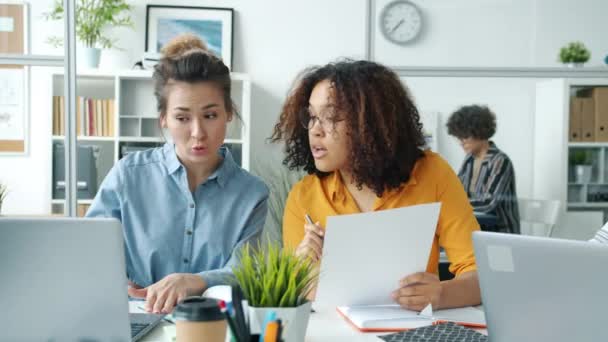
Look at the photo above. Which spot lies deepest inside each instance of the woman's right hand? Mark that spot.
(312, 244)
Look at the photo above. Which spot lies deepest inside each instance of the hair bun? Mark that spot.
(182, 45)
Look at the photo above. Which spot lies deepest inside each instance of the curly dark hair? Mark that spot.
(473, 121)
(382, 123)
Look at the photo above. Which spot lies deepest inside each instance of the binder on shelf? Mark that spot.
(598, 104)
(587, 120)
(576, 124)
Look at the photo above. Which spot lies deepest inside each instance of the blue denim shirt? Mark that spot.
(169, 229)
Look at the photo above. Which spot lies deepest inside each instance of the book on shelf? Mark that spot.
(94, 117)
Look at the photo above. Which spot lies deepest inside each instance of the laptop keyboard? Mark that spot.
(444, 332)
(136, 328)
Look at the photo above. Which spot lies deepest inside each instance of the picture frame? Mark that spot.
(213, 24)
(14, 79)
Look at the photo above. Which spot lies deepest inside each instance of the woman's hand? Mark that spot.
(312, 244)
(418, 290)
(162, 296)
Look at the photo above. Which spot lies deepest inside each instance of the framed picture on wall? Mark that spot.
(213, 25)
(14, 84)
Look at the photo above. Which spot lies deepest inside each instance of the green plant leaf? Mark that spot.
(273, 277)
(92, 18)
(574, 52)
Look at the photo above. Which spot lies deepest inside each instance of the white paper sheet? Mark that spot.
(365, 255)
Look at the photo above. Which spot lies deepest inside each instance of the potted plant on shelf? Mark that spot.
(92, 19)
(275, 279)
(3, 193)
(581, 160)
(574, 54)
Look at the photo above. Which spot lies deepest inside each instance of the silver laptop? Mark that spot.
(541, 289)
(65, 280)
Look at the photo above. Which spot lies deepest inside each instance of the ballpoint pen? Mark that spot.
(308, 219)
(239, 314)
(231, 324)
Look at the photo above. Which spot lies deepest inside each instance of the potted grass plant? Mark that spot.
(275, 279)
(581, 161)
(93, 18)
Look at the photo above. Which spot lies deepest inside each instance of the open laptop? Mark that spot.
(542, 289)
(64, 279)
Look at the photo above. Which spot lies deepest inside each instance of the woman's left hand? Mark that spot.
(162, 296)
(418, 290)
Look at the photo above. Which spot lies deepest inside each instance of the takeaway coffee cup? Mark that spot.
(199, 319)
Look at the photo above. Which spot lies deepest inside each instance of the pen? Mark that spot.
(271, 331)
(308, 219)
(231, 324)
(239, 314)
(270, 316)
(279, 330)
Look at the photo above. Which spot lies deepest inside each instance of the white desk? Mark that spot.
(323, 326)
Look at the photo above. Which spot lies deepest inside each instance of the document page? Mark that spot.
(365, 255)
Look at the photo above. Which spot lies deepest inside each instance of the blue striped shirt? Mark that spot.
(494, 192)
(169, 229)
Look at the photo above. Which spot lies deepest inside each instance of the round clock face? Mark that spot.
(400, 21)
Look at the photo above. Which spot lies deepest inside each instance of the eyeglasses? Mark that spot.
(327, 120)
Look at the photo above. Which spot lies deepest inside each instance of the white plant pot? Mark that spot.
(114, 60)
(294, 321)
(583, 173)
(575, 64)
(87, 57)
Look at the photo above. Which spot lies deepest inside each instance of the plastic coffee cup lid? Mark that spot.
(198, 309)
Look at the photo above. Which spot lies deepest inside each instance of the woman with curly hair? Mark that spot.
(354, 128)
(487, 172)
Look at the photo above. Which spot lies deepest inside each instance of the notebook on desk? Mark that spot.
(383, 318)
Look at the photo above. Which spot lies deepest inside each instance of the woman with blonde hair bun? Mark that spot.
(186, 207)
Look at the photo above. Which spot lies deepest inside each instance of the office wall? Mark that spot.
(494, 33)
(275, 39)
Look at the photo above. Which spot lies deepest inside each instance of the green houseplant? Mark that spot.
(581, 161)
(93, 18)
(279, 180)
(574, 54)
(275, 279)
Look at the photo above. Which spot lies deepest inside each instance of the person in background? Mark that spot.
(487, 173)
(602, 235)
(186, 208)
(354, 128)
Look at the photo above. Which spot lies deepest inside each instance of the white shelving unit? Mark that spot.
(553, 175)
(135, 121)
